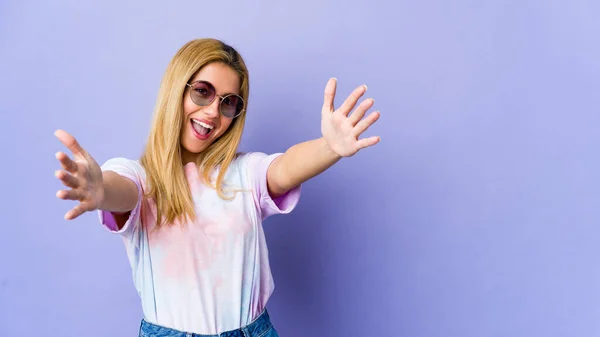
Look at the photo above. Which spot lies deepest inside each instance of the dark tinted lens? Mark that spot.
(232, 105)
(202, 93)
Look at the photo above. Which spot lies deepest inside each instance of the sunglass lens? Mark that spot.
(232, 105)
(202, 93)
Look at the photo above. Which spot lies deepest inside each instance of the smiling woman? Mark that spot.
(197, 250)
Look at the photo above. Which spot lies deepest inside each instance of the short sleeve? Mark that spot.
(258, 165)
(132, 170)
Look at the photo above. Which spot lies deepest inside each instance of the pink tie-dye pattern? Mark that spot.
(199, 243)
(181, 246)
(193, 176)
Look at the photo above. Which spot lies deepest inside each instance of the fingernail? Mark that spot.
(364, 85)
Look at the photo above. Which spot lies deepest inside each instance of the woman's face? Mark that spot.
(205, 124)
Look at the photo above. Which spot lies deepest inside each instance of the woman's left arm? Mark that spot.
(340, 130)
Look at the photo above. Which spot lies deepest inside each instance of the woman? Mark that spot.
(190, 210)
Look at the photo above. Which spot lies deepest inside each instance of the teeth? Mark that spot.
(210, 127)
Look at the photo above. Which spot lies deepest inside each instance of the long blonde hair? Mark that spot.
(162, 158)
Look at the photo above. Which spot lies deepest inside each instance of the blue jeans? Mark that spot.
(260, 327)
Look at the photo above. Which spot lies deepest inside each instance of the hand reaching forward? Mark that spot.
(82, 174)
(342, 129)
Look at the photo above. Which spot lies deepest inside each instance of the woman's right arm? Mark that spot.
(94, 189)
(120, 193)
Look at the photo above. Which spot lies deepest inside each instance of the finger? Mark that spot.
(351, 100)
(67, 179)
(69, 141)
(366, 142)
(68, 195)
(67, 163)
(363, 125)
(360, 111)
(76, 211)
(329, 95)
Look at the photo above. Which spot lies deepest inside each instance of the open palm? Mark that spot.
(82, 174)
(341, 129)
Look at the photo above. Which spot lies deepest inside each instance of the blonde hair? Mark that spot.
(162, 158)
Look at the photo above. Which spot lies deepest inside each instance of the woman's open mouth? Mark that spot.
(202, 129)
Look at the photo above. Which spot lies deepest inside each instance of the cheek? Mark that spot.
(188, 107)
(225, 124)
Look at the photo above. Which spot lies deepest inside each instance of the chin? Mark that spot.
(195, 148)
(192, 146)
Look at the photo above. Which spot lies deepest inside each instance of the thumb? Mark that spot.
(329, 95)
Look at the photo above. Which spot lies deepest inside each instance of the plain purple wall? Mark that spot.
(477, 214)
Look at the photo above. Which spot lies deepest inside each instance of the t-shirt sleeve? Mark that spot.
(258, 165)
(132, 170)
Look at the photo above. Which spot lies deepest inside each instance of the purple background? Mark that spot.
(477, 214)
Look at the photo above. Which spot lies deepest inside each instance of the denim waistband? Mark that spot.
(260, 326)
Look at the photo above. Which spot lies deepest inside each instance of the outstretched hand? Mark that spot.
(342, 129)
(82, 174)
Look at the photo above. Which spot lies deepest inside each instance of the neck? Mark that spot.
(188, 157)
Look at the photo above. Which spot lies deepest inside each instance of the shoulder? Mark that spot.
(253, 165)
(120, 162)
(125, 166)
(254, 159)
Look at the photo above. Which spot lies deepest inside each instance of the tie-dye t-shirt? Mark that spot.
(210, 275)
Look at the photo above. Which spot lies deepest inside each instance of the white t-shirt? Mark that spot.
(213, 274)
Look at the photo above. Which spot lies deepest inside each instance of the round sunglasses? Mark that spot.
(203, 93)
